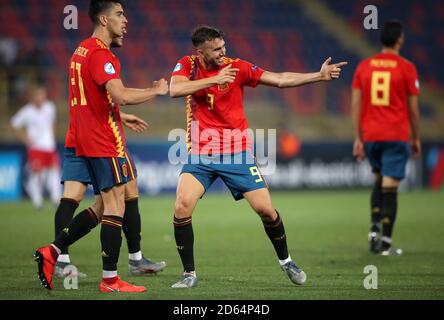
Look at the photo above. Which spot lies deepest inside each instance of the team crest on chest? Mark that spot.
(223, 87)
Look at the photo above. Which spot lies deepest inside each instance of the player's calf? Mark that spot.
(276, 233)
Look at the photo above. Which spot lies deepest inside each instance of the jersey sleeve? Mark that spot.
(19, 120)
(356, 82)
(183, 67)
(412, 80)
(250, 73)
(103, 67)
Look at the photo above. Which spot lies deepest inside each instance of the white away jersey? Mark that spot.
(39, 125)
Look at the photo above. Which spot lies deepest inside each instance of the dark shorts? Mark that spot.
(76, 168)
(389, 158)
(238, 177)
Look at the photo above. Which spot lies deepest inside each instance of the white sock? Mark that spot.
(386, 239)
(109, 274)
(64, 258)
(192, 273)
(282, 262)
(135, 256)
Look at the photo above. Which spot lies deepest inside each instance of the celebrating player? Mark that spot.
(213, 85)
(95, 93)
(384, 107)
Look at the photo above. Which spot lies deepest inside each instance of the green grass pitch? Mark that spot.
(327, 237)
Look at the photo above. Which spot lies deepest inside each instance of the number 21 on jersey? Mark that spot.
(380, 88)
(78, 67)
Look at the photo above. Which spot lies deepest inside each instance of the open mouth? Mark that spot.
(123, 33)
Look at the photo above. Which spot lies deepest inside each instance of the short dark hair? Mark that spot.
(204, 33)
(97, 7)
(390, 33)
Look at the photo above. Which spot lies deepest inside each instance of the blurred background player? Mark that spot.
(214, 84)
(385, 116)
(34, 125)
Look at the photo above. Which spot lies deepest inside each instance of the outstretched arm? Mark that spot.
(291, 79)
(182, 86)
(130, 96)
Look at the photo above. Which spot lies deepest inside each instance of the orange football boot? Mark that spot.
(120, 286)
(46, 258)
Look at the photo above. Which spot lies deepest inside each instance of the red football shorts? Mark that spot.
(39, 160)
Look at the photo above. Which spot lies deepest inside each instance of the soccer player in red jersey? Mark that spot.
(75, 178)
(213, 85)
(385, 116)
(96, 91)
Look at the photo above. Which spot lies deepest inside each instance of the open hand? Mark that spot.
(416, 148)
(358, 149)
(134, 123)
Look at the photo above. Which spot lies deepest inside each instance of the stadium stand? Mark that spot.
(277, 35)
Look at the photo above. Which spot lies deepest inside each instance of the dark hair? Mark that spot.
(97, 7)
(205, 33)
(390, 33)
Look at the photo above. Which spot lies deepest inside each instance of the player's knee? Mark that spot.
(183, 208)
(98, 209)
(266, 213)
(74, 190)
(131, 190)
(76, 197)
(121, 207)
(115, 207)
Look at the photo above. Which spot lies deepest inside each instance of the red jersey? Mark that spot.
(218, 109)
(386, 81)
(95, 127)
